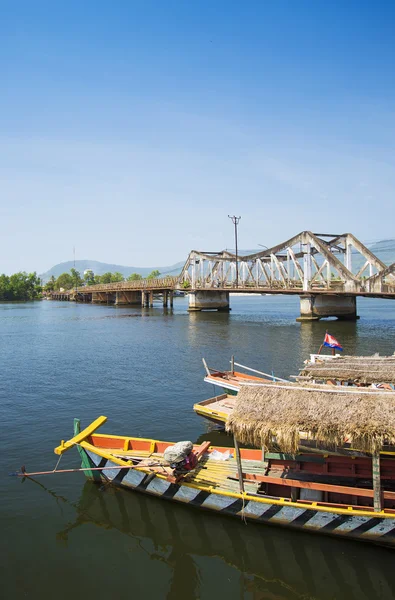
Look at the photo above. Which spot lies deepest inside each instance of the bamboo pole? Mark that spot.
(23, 472)
(206, 367)
(239, 466)
(377, 495)
(261, 373)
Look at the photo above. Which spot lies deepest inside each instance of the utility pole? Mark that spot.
(75, 281)
(235, 221)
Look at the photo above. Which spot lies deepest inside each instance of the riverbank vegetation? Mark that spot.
(73, 279)
(28, 286)
(20, 286)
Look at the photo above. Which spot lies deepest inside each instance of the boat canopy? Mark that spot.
(274, 414)
(359, 369)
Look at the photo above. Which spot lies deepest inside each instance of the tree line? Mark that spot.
(20, 286)
(28, 286)
(67, 281)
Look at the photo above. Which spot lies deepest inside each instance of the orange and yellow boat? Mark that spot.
(276, 489)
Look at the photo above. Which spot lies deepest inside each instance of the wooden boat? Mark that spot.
(361, 371)
(216, 409)
(219, 408)
(276, 489)
(231, 381)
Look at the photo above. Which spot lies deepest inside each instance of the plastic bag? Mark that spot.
(215, 455)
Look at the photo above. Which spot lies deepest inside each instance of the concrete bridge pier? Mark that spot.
(208, 300)
(314, 307)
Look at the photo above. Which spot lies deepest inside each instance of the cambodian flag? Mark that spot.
(331, 342)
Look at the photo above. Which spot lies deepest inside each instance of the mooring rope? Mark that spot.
(57, 464)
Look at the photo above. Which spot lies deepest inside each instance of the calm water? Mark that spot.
(62, 536)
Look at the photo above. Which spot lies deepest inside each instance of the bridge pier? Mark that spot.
(208, 300)
(122, 297)
(314, 307)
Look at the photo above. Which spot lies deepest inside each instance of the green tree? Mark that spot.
(105, 278)
(117, 276)
(89, 277)
(76, 277)
(135, 277)
(64, 281)
(24, 286)
(50, 285)
(5, 291)
(154, 274)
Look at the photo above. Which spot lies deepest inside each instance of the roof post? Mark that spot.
(377, 495)
(239, 466)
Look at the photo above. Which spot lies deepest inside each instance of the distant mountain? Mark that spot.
(384, 250)
(99, 268)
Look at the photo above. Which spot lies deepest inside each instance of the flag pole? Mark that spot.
(322, 345)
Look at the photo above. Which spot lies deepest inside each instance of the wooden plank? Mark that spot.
(323, 487)
(64, 446)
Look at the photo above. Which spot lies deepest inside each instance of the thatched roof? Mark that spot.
(275, 414)
(359, 369)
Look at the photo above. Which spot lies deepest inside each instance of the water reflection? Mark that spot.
(272, 563)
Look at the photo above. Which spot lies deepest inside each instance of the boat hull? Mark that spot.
(336, 522)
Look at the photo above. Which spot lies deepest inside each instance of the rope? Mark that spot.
(242, 515)
(57, 464)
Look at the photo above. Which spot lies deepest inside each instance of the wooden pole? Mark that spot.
(232, 364)
(377, 495)
(23, 473)
(239, 466)
(206, 367)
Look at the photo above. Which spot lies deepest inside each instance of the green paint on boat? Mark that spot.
(86, 461)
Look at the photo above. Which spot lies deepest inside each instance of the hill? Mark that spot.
(99, 268)
(384, 250)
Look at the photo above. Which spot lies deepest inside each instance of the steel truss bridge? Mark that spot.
(327, 271)
(307, 263)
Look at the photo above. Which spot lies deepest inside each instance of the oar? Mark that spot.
(23, 472)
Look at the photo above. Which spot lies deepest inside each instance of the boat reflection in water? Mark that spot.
(199, 548)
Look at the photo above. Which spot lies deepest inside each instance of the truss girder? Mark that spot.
(305, 263)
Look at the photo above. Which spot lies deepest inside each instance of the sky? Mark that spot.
(131, 129)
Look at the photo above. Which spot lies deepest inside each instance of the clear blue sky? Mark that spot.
(131, 129)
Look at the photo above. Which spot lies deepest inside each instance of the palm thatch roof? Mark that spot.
(359, 369)
(274, 414)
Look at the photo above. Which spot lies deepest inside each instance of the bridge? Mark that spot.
(327, 271)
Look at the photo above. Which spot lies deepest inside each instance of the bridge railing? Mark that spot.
(166, 283)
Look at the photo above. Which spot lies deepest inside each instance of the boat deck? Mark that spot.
(209, 473)
(224, 403)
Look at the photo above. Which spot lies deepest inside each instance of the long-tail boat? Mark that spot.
(361, 371)
(336, 495)
(231, 380)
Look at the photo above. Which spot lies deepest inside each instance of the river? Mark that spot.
(63, 537)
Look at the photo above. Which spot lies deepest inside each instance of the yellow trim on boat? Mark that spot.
(64, 446)
(203, 411)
